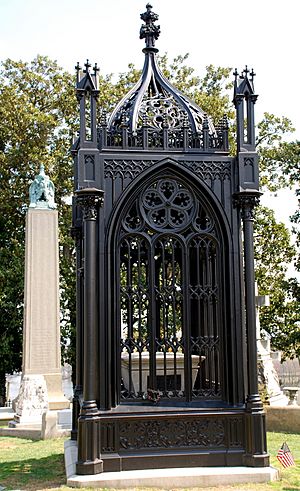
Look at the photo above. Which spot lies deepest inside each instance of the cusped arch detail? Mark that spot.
(170, 168)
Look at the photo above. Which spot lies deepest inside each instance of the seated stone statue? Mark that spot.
(41, 191)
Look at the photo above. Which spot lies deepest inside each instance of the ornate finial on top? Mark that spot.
(245, 71)
(243, 79)
(149, 31)
(78, 69)
(87, 67)
(252, 75)
(96, 69)
(41, 191)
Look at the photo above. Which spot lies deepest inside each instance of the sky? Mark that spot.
(263, 34)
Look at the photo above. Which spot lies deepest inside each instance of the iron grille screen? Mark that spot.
(170, 296)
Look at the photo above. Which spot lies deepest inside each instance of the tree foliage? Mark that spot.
(273, 253)
(38, 114)
(280, 168)
(279, 159)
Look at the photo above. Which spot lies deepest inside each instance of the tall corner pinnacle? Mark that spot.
(244, 81)
(149, 31)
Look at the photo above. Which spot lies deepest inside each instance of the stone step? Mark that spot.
(165, 478)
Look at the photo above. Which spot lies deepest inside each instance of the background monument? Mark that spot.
(41, 385)
(267, 375)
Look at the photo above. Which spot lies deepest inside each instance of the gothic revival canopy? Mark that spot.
(166, 340)
(153, 101)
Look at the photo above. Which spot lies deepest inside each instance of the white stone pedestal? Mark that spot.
(32, 401)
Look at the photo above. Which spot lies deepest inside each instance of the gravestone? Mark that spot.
(12, 382)
(268, 376)
(41, 384)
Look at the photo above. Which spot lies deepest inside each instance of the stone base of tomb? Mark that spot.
(140, 436)
(183, 477)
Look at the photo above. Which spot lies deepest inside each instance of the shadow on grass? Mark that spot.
(33, 474)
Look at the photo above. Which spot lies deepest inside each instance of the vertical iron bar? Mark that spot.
(165, 138)
(117, 315)
(209, 319)
(140, 307)
(186, 328)
(145, 136)
(129, 289)
(153, 319)
(173, 330)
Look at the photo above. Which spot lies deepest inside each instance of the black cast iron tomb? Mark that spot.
(163, 221)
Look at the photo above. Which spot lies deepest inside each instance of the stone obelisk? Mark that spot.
(41, 385)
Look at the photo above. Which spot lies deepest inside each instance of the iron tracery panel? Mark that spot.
(170, 296)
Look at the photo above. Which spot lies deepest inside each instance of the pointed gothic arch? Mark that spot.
(166, 237)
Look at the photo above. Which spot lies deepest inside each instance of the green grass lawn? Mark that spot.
(39, 465)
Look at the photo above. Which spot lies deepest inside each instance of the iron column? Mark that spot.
(89, 461)
(256, 447)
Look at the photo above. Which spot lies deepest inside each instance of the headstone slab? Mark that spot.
(12, 386)
(13, 382)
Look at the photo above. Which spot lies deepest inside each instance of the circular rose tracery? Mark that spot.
(166, 204)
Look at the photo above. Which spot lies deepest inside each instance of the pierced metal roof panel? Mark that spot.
(153, 101)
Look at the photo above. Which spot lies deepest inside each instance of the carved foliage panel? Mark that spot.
(172, 433)
(205, 433)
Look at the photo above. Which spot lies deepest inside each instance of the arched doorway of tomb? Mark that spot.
(170, 302)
